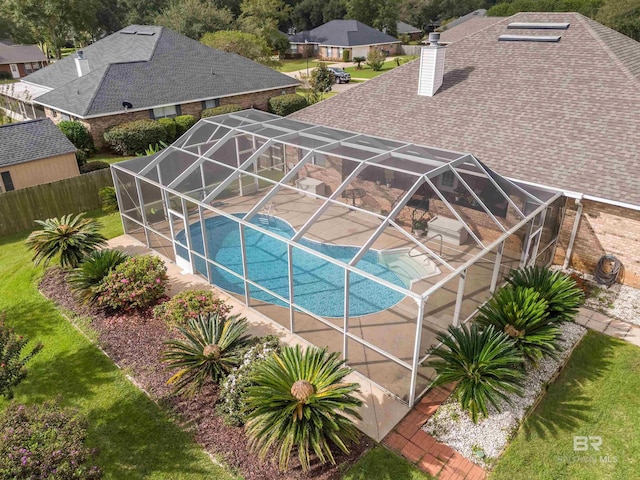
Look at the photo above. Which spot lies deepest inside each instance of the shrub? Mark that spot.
(5, 76)
(94, 165)
(108, 199)
(170, 127)
(44, 441)
(78, 134)
(184, 123)
(300, 400)
(81, 157)
(70, 237)
(345, 55)
(221, 110)
(522, 314)
(375, 59)
(563, 294)
(358, 61)
(233, 390)
(133, 137)
(190, 304)
(284, 105)
(138, 282)
(87, 277)
(209, 351)
(485, 363)
(12, 360)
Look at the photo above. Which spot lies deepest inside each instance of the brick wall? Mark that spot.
(604, 229)
(97, 126)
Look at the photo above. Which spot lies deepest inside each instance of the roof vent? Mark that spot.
(539, 25)
(529, 38)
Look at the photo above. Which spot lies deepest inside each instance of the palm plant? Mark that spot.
(70, 237)
(485, 363)
(299, 400)
(559, 290)
(522, 314)
(210, 349)
(108, 199)
(87, 277)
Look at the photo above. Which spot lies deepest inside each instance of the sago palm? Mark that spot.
(558, 289)
(87, 277)
(301, 401)
(70, 237)
(522, 314)
(485, 363)
(210, 349)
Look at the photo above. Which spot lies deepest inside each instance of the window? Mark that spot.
(35, 66)
(165, 112)
(27, 68)
(340, 50)
(329, 52)
(215, 102)
(447, 181)
(65, 117)
(6, 180)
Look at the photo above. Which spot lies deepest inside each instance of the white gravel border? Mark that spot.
(483, 442)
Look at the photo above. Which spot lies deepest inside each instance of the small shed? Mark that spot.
(34, 152)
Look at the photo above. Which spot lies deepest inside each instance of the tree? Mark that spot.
(322, 79)
(621, 15)
(586, 7)
(247, 45)
(194, 18)
(141, 12)
(70, 237)
(359, 61)
(263, 18)
(375, 59)
(300, 400)
(380, 14)
(308, 14)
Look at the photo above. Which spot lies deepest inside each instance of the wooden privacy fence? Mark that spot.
(19, 208)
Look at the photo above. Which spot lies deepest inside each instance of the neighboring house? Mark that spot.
(146, 72)
(410, 31)
(561, 113)
(21, 60)
(331, 40)
(468, 27)
(34, 152)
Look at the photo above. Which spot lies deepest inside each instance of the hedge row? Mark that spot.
(284, 105)
(135, 137)
(221, 110)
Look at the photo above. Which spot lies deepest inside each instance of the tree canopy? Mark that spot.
(194, 18)
(248, 45)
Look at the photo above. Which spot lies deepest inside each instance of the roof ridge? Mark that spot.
(482, 29)
(97, 89)
(17, 124)
(582, 19)
(155, 45)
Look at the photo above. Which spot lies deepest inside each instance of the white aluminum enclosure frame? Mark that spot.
(263, 132)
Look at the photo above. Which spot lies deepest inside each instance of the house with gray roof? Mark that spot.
(404, 29)
(331, 40)
(34, 152)
(546, 98)
(143, 72)
(20, 60)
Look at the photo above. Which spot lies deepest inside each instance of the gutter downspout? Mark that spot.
(574, 232)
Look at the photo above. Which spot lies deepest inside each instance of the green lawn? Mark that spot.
(108, 157)
(596, 395)
(382, 464)
(134, 437)
(367, 72)
(297, 64)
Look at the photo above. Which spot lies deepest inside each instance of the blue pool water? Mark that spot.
(318, 284)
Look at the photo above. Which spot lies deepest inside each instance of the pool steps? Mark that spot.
(409, 269)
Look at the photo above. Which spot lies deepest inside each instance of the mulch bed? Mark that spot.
(134, 341)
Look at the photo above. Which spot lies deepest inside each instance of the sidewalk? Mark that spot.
(614, 328)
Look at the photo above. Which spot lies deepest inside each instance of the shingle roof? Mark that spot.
(562, 114)
(481, 12)
(403, 27)
(32, 140)
(159, 68)
(343, 33)
(457, 32)
(20, 54)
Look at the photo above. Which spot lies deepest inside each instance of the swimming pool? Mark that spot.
(318, 284)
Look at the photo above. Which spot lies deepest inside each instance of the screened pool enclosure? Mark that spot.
(366, 245)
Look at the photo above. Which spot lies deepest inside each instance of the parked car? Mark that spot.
(341, 75)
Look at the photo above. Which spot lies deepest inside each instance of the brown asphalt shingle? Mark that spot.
(562, 114)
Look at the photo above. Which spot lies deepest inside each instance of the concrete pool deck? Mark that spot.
(380, 412)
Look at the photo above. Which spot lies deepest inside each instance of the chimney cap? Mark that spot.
(80, 55)
(434, 38)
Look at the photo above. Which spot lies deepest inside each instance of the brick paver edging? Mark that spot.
(435, 458)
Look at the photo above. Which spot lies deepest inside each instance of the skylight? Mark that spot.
(529, 38)
(539, 25)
